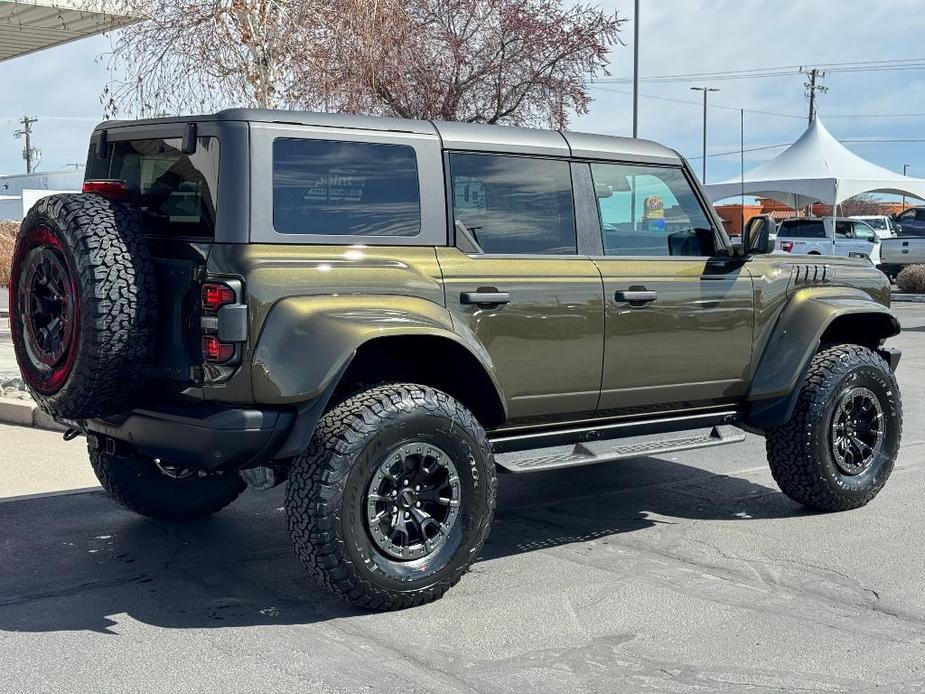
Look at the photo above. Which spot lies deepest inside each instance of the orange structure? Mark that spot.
(734, 215)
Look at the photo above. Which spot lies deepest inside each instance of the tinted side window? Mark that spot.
(809, 229)
(514, 204)
(336, 188)
(650, 210)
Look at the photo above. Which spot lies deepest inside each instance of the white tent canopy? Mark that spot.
(817, 168)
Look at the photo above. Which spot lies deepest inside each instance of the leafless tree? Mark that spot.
(522, 62)
(862, 204)
(200, 55)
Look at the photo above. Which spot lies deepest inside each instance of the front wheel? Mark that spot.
(391, 502)
(839, 447)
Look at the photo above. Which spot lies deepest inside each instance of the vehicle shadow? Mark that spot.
(78, 562)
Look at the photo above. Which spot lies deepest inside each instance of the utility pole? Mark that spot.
(705, 90)
(28, 152)
(905, 170)
(812, 87)
(636, 70)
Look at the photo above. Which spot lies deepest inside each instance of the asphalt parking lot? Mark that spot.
(675, 574)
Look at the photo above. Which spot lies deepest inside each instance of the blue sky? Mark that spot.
(62, 85)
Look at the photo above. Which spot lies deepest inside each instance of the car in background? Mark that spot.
(911, 222)
(851, 238)
(881, 223)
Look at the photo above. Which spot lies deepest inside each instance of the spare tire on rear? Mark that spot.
(82, 305)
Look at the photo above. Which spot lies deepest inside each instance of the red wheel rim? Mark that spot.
(44, 310)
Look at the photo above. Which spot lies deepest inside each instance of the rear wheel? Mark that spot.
(838, 449)
(391, 502)
(159, 490)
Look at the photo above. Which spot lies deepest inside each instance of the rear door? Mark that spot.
(678, 313)
(522, 287)
(853, 239)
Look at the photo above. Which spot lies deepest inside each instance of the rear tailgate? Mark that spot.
(175, 195)
(902, 251)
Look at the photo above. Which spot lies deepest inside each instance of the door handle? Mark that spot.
(485, 298)
(636, 297)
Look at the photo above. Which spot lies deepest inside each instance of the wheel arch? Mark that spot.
(813, 318)
(314, 351)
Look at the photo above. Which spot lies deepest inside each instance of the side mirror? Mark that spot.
(756, 239)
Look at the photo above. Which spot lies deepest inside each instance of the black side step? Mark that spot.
(589, 452)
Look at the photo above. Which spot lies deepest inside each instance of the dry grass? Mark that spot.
(911, 279)
(7, 238)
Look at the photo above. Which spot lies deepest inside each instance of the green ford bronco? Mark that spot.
(385, 313)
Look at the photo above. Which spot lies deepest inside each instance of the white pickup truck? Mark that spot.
(896, 253)
(815, 236)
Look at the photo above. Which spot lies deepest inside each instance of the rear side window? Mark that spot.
(803, 229)
(174, 192)
(514, 205)
(333, 188)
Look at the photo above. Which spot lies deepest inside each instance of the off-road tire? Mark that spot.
(327, 487)
(133, 481)
(111, 277)
(800, 452)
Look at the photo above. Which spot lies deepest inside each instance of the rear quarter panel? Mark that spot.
(311, 284)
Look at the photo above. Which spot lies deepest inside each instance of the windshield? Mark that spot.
(877, 223)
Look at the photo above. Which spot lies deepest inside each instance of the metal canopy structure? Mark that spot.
(27, 26)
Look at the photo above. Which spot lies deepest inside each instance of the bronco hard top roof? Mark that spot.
(456, 136)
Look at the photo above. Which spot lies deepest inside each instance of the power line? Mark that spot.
(695, 103)
(782, 71)
(737, 151)
(854, 141)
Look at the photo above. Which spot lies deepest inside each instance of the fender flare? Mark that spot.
(307, 343)
(795, 340)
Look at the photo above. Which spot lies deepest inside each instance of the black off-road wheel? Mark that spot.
(83, 302)
(838, 449)
(158, 490)
(393, 499)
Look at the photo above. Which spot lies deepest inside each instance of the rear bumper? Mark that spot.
(203, 437)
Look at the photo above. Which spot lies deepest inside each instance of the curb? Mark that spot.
(908, 298)
(26, 413)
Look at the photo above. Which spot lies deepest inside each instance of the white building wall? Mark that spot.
(20, 191)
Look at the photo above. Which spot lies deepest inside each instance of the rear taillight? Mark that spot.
(111, 189)
(786, 246)
(224, 321)
(215, 295)
(215, 351)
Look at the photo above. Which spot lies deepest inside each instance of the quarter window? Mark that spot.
(650, 211)
(333, 188)
(514, 204)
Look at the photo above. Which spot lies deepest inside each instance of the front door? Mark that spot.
(522, 288)
(679, 315)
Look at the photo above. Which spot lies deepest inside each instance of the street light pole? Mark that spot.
(905, 169)
(705, 90)
(636, 70)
